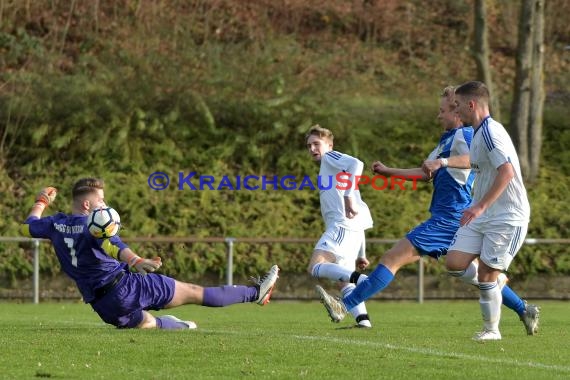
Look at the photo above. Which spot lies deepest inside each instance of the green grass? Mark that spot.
(284, 340)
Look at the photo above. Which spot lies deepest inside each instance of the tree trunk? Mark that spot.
(521, 96)
(536, 92)
(481, 54)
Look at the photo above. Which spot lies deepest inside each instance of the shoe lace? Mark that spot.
(339, 304)
(258, 280)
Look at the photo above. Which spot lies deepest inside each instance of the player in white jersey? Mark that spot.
(341, 248)
(495, 225)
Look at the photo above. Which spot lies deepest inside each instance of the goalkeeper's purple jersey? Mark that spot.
(82, 257)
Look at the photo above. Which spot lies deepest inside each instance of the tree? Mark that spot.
(481, 55)
(521, 96)
(536, 92)
(528, 99)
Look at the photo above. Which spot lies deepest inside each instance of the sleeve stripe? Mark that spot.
(110, 249)
(333, 154)
(25, 230)
(487, 137)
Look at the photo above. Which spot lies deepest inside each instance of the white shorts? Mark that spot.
(496, 243)
(344, 244)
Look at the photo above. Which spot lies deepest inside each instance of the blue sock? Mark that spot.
(512, 300)
(228, 295)
(376, 281)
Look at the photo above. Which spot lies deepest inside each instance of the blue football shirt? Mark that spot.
(452, 186)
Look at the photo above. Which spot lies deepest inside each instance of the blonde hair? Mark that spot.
(322, 133)
(449, 94)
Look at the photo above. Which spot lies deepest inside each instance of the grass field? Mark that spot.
(284, 340)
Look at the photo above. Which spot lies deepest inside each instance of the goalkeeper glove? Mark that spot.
(145, 266)
(46, 196)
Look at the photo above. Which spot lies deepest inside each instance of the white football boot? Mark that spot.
(266, 284)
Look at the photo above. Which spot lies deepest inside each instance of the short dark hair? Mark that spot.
(87, 186)
(474, 89)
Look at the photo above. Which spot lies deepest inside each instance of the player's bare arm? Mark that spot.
(411, 174)
(349, 209)
(460, 162)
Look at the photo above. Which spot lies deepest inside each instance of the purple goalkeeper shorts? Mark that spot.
(123, 305)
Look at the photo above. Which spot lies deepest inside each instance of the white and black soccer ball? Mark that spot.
(104, 222)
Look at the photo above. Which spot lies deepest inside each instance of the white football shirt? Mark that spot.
(492, 147)
(332, 198)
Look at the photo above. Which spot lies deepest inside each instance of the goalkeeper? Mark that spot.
(119, 285)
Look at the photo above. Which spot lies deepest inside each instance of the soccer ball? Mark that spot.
(104, 222)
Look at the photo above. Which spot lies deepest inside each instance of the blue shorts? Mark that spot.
(433, 237)
(123, 306)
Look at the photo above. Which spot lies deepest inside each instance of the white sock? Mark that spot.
(359, 309)
(470, 274)
(332, 271)
(490, 300)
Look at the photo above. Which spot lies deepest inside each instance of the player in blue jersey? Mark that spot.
(449, 167)
(104, 269)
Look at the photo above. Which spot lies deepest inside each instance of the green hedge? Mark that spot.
(132, 98)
